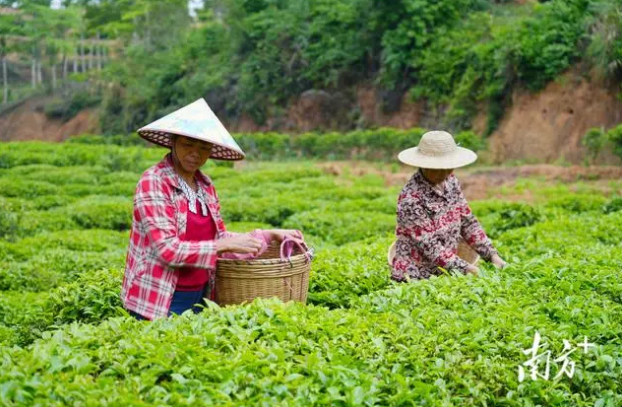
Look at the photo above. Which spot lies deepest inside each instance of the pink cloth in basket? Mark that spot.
(262, 235)
(288, 247)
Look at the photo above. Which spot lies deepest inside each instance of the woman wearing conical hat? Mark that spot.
(433, 216)
(177, 230)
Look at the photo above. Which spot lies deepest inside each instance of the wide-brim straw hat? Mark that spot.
(196, 121)
(437, 150)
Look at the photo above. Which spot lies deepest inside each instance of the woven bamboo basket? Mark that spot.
(465, 252)
(239, 281)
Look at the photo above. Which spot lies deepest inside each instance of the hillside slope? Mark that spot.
(544, 126)
(27, 121)
(549, 125)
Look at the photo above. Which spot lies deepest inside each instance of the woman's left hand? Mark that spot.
(280, 234)
(498, 261)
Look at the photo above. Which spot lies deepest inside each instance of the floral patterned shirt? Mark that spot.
(430, 222)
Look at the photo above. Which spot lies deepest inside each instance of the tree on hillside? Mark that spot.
(63, 26)
(21, 3)
(282, 48)
(37, 32)
(6, 29)
(605, 28)
(5, 82)
(408, 27)
(50, 33)
(150, 24)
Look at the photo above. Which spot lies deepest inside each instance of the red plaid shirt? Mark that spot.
(157, 247)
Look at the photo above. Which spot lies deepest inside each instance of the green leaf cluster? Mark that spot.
(360, 340)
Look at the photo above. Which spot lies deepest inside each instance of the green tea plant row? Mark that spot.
(439, 342)
(382, 143)
(361, 340)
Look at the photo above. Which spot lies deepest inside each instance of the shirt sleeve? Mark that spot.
(415, 222)
(156, 211)
(473, 233)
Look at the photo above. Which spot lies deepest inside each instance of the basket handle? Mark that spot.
(287, 248)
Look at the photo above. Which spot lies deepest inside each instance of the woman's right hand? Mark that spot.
(498, 262)
(238, 244)
(471, 269)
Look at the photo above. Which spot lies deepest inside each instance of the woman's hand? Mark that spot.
(238, 244)
(280, 234)
(498, 261)
(471, 269)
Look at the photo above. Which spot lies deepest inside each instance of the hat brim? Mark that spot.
(163, 139)
(459, 158)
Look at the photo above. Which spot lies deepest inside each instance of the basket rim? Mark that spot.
(242, 276)
(251, 262)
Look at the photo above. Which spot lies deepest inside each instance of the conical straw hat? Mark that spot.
(437, 150)
(197, 121)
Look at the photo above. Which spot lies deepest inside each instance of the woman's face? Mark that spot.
(436, 176)
(191, 153)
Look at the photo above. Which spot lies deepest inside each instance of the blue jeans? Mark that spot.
(182, 301)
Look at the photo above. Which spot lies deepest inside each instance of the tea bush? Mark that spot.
(499, 217)
(48, 268)
(382, 143)
(341, 275)
(77, 174)
(46, 202)
(33, 222)
(8, 224)
(273, 210)
(97, 212)
(92, 297)
(361, 339)
(613, 205)
(579, 203)
(22, 319)
(111, 158)
(25, 188)
(341, 228)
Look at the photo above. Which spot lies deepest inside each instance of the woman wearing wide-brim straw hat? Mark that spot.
(177, 231)
(433, 217)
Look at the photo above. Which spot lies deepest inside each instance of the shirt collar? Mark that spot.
(428, 186)
(168, 174)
